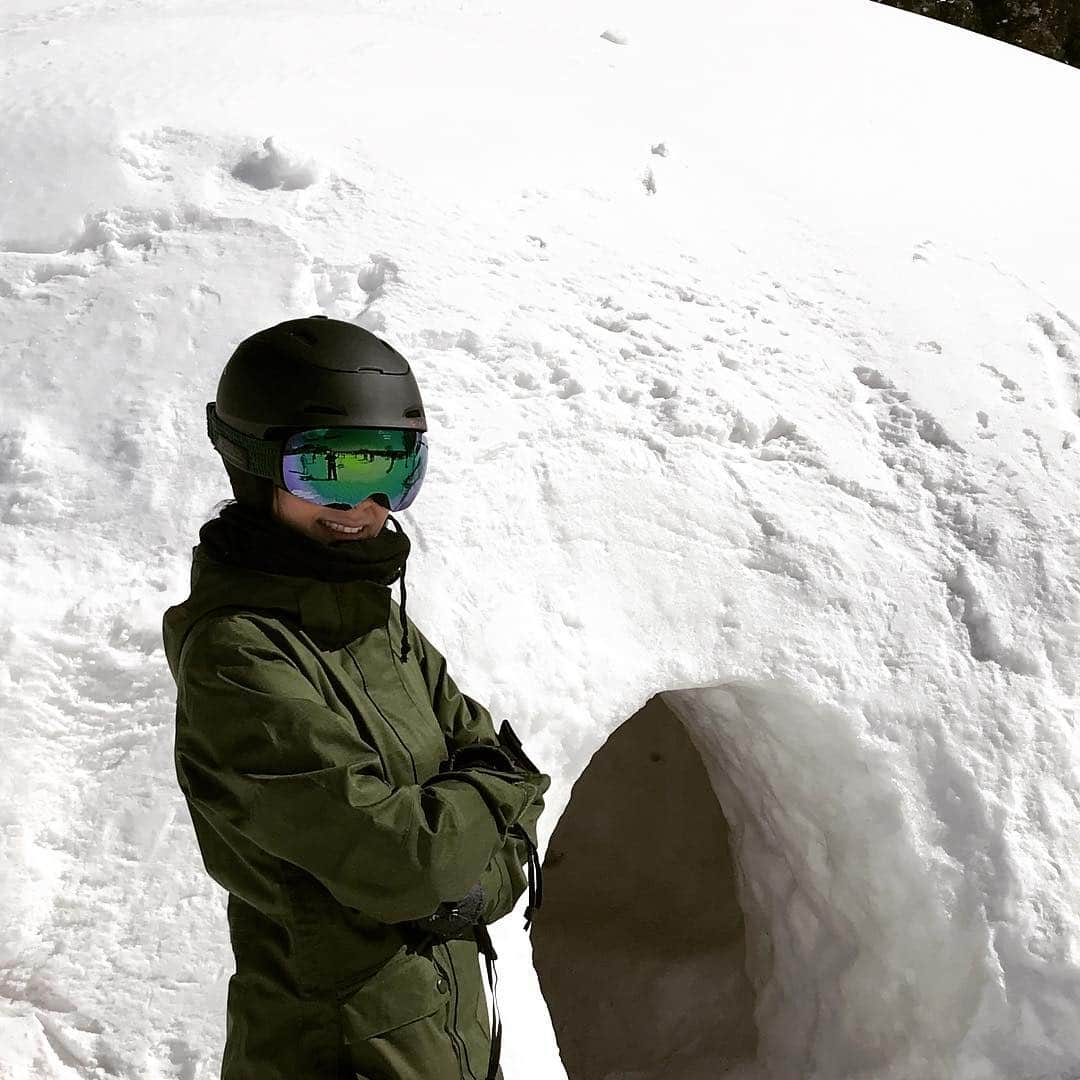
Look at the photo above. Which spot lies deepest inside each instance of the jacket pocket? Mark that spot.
(333, 949)
(395, 1024)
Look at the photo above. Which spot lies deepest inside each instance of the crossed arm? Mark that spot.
(259, 751)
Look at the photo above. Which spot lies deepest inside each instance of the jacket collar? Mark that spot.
(333, 613)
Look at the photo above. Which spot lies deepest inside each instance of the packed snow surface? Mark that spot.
(749, 337)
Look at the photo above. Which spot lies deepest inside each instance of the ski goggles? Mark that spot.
(333, 467)
(344, 466)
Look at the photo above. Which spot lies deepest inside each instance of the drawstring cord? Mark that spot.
(536, 877)
(404, 622)
(483, 941)
(404, 596)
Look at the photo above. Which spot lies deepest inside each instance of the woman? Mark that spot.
(360, 810)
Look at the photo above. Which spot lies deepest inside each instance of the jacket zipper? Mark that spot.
(451, 1018)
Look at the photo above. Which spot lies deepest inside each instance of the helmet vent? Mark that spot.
(329, 410)
(412, 413)
(304, 336)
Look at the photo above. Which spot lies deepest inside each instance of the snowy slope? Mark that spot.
(750, 346)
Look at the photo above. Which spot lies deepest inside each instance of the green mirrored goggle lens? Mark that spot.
(344, 466)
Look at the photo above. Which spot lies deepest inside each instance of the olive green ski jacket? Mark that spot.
(309, 755)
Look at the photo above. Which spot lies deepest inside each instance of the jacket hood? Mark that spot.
(333, 613)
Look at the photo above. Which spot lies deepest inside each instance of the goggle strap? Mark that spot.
(260, 457)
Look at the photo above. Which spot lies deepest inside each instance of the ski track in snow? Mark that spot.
(799, 497)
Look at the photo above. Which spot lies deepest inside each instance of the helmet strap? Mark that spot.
(259, 457)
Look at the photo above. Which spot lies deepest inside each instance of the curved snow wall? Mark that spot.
(640, 946)
(748, 882)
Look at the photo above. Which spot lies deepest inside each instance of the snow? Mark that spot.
(786, 432)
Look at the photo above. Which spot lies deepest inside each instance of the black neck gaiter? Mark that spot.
(243, 536)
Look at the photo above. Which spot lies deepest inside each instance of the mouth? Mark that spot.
(336, 528)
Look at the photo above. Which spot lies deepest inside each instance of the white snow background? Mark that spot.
(749, 337)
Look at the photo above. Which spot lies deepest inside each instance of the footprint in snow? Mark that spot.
(271, 168)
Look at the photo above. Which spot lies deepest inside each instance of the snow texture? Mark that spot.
(783, 424)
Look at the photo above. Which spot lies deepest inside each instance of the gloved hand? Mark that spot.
(451, 920)
(507, 756)
(458, 919)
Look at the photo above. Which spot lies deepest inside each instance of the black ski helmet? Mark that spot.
(307, 373)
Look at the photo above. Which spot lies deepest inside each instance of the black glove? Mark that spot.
(452, 919)
(479, 754)
(507, 756)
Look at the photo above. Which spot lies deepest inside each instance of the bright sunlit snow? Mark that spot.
(749, 338)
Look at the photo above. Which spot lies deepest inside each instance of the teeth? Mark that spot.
(342, 528)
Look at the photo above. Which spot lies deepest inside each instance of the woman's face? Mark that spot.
(317, 521)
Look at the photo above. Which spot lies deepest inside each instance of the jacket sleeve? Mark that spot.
(258, 749)
(465, 721)
(504, 879)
